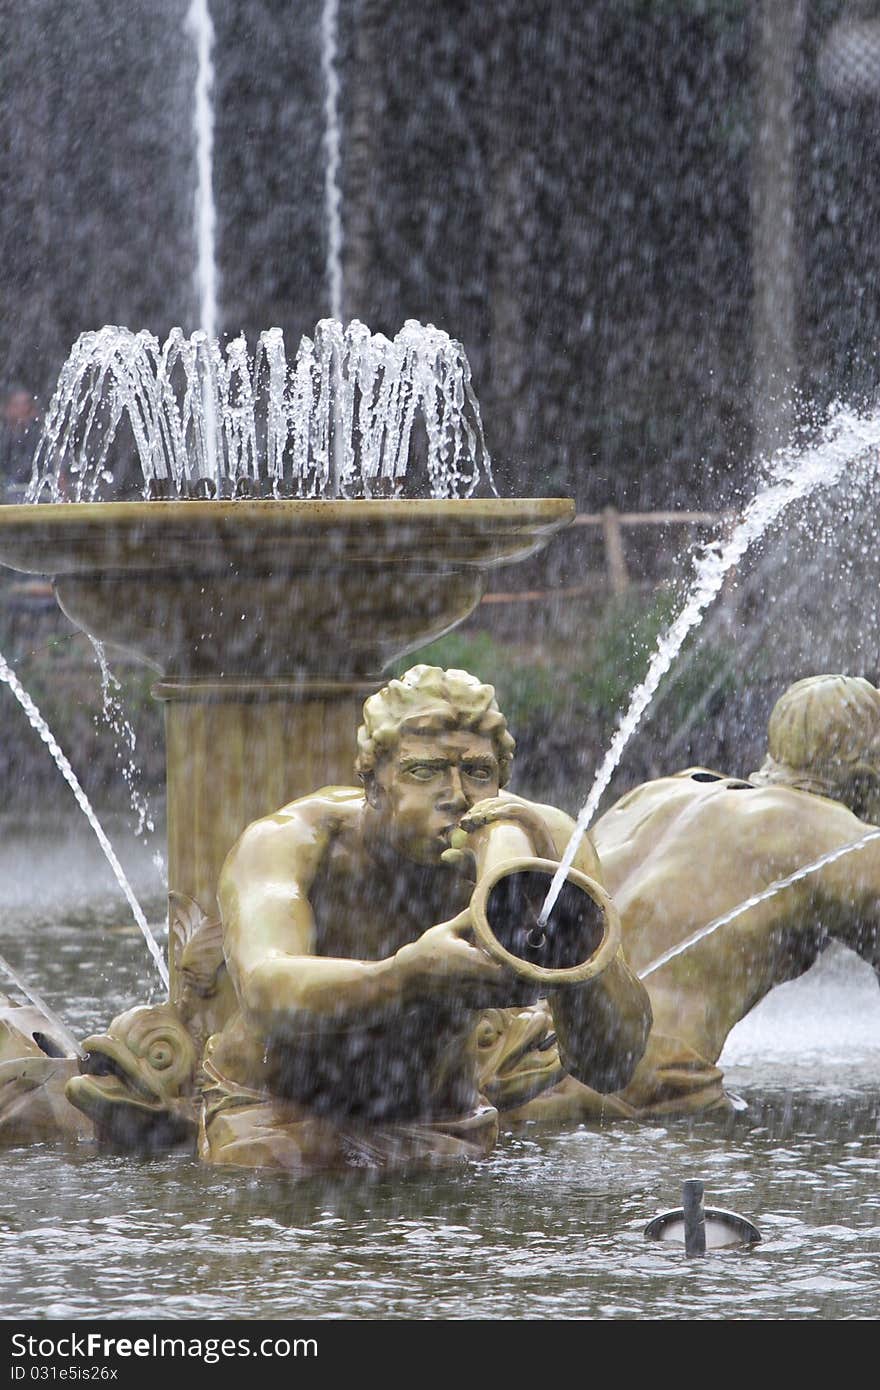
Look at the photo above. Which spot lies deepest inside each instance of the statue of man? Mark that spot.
(682, 853)
(350, 946)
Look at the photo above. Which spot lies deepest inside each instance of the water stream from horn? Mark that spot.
(849, 442)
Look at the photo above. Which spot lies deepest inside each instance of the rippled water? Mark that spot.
(550, 1227)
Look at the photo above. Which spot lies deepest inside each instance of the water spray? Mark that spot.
(769, 892)
(37, 722)
(31, 994)
(848, 439)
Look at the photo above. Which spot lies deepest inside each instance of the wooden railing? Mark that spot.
(610, 521)
(612, 524)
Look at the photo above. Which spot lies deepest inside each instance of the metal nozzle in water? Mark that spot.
(694, 1217)
(701, 1228)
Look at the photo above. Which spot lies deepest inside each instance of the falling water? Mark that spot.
(338, 420)
(769, 892)
(37, 722)
(848, 441)
(332, 193)
(198, 22)
(126, 739)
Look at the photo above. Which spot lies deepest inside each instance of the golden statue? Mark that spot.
(357, 939)
(682, 853)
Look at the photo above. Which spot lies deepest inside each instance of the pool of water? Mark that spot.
(550, 1227)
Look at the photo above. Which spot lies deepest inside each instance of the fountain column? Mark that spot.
(237, 751)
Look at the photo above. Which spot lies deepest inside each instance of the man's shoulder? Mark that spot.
(324, 798)
(328, 808)
(296, 835)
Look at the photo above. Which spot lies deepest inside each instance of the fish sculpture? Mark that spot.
(517, 1056)
(520, 1072)
(134, 1087)
(136, 1081)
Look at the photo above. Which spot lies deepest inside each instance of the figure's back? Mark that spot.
(679, 851)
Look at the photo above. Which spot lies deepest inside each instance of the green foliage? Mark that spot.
(594, 677)
(526, 690)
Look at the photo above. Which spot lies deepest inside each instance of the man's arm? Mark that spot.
(283, 988)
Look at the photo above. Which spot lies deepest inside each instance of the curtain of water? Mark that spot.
(849, 441)
(332, 144)
(37, 722)
(340, 419)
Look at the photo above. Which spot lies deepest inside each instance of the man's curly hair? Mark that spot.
(434, 700)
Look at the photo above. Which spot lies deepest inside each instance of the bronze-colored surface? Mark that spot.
(349, 934)
(680, 853)
(265, 537)
(327, 622)
(595, 957)
(214, 590)
(34, 1070)
(135, 1082)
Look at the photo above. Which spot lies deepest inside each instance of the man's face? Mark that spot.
(422, 789)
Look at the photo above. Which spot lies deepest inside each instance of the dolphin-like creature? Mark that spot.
(136, 1081)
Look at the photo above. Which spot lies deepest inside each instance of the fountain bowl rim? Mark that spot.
(57, 538)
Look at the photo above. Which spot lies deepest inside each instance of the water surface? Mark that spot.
(550, 1227)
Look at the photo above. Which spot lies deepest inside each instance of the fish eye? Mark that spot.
(160, 1055)
(487, 1033)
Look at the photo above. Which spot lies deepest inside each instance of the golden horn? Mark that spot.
(581, 937)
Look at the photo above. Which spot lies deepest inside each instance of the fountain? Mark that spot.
(267, 619)
(170, 1239)
(204, 529)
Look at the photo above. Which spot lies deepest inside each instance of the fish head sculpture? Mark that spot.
(517, 1056)
(136, 1081)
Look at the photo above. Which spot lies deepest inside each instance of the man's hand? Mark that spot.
(500, 808)
(460, 856)
(446, 961)
(464, 851)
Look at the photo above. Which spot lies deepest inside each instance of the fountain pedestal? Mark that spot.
(268, 623)
(237, 750)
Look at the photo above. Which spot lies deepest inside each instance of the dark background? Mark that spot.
(573, 190)
(651, 223)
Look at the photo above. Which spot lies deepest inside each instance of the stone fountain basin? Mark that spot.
(273, 589)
